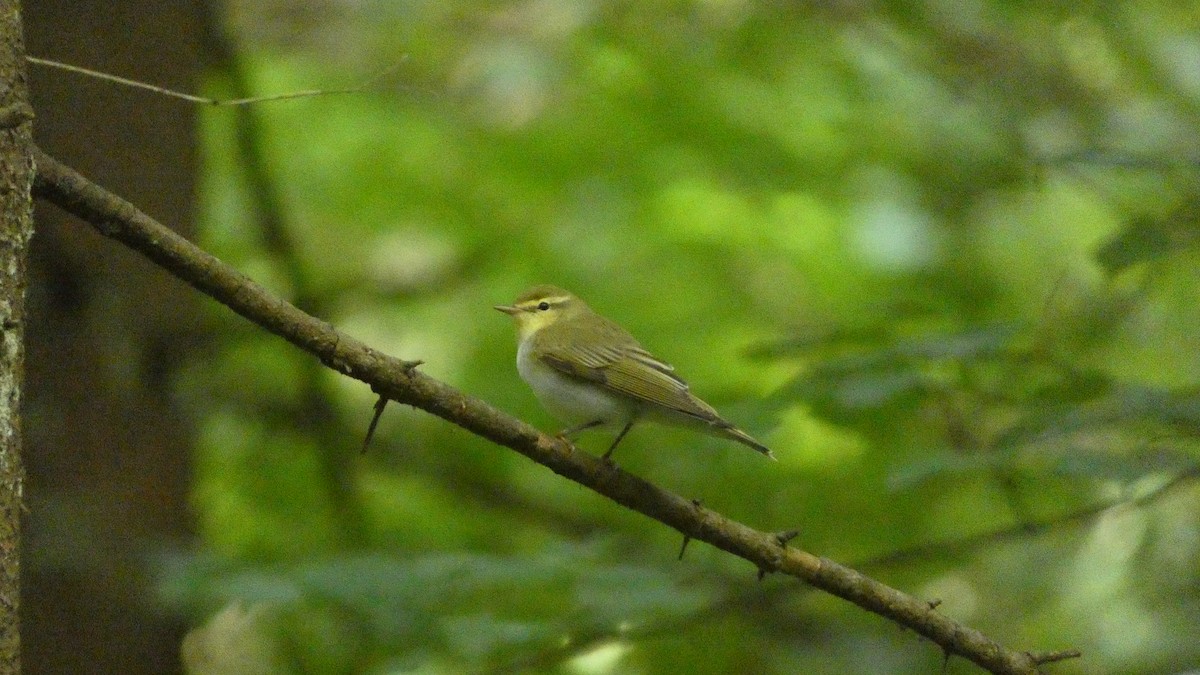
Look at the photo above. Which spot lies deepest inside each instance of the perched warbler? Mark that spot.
(590, 372)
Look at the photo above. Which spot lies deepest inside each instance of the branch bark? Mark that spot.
(400, 381)
(16, 228)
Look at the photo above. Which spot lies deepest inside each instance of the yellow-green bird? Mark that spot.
(589, 372)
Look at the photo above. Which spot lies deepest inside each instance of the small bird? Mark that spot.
(589, 372)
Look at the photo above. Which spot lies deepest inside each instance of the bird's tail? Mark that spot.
(744, 438)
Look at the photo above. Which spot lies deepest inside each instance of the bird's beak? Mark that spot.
(508, 309)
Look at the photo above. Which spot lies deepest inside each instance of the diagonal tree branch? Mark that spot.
(400, 381)
(757, 600)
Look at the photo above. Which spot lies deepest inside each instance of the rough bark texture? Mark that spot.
(16, 229)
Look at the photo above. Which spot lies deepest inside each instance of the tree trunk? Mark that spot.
(16, 228)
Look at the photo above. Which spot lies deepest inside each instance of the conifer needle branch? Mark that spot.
(400, 381)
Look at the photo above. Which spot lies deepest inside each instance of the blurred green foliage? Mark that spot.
(941, 257)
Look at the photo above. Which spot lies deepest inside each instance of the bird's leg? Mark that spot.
(624, 430)
(567, 433)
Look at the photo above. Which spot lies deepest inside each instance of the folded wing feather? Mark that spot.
(630, 370)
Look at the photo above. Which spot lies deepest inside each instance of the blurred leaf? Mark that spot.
(880, 343)
(1100, 465)
(945, 465)
(1063, 386)
(1148, 240)
(1147, 410)
(823, 338)
(639, 595)
(844, 388)
(969, 344)
(481, 607)
(483, 637)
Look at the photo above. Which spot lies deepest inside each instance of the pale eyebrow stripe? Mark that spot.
(553, 300)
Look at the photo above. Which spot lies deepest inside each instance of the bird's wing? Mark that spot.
(629, 370)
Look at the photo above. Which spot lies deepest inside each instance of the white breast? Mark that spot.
(567, 399)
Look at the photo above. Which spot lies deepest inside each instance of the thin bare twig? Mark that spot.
(379, 405)
(192, 98)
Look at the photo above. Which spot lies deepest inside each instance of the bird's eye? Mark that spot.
(543, 305)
